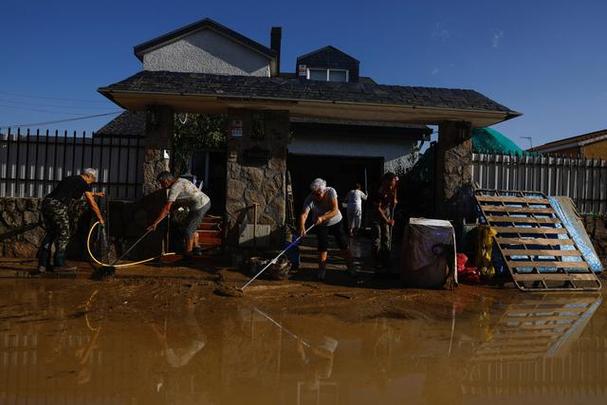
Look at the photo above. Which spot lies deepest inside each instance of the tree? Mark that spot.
(194, 132)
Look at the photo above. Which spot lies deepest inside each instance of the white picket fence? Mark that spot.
(584, 180)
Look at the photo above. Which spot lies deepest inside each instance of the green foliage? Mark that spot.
(194, 132)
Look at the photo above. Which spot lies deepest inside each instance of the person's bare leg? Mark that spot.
(322, 264)
(189, 245)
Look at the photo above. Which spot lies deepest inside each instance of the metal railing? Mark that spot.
(31, 164)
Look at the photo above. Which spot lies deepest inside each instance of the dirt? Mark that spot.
(158, 334)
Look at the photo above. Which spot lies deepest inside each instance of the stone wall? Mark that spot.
(158, 132)
(21, 231)
(454, 162)
(256, 169)
(19, 235)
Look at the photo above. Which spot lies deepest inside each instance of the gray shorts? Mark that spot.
(194, 219)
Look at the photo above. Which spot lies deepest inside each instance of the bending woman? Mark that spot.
(322, 203)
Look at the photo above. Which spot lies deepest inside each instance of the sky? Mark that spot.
(545, 59)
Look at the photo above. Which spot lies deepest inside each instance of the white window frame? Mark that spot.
(327, 71)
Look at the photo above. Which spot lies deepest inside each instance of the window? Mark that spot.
(330, 75)
(318, 74)
(338, 75)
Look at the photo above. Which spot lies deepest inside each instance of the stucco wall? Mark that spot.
(395, 152)
(207, 52)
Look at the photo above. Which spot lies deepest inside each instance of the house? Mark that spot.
(592, 145)
(322, 119)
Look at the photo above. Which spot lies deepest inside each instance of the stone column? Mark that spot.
(256, 169)
(158, 133)
(454, 162)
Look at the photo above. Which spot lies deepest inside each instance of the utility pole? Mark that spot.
(530, 139)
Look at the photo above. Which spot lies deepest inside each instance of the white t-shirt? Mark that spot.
(185, 192)
(319, 208)
(355, 198)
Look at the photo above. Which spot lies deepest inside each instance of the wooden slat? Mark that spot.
(524, 230)
(537, 326)
(522, 220)
(534, 241)
(509, 199)
(542, 318)
(555, 264)
(555, 277)
(525, 213)
(517, 210)
(533, 252)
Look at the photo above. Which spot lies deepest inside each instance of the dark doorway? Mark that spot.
(340, 173)
(210, 167)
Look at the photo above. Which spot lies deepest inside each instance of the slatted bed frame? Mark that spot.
(535, 245)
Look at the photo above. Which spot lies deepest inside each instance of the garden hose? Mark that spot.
(88, 247)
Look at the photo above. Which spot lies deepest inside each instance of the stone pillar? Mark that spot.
(158, 133)
(256, 170)
(454, 162)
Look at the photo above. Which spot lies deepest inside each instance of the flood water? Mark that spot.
(74, 345)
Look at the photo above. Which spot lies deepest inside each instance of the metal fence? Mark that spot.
(31, 164)
(584, 180)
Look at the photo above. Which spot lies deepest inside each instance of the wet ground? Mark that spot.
(157, 334)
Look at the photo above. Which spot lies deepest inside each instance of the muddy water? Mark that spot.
(71, 343)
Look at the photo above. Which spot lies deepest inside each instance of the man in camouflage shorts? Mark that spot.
(56, 219)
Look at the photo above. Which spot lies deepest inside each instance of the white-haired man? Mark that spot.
(56, 220)
(322, 203)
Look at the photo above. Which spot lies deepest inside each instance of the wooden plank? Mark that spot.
(542, 318)
(534, 241)
(559, 265)
(522, 220)
(554, 277)
(511, 199)
(524, 230)
(532, 252)
(517, 210)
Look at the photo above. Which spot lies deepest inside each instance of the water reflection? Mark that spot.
(56, 346)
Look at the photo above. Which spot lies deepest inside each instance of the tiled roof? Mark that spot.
(127, 123)
(297, 89)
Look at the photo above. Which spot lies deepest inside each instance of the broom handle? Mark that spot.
(132, 247)
(295, 242)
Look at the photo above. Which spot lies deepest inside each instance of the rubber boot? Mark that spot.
(44, 264)
(60, 266)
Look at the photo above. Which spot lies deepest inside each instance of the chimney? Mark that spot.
(275, 40)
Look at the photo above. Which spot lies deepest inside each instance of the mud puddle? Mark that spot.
(81, 342)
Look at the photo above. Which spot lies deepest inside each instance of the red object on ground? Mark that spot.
(462, 259)
(467, 273)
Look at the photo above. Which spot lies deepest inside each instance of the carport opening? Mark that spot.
(340, 172)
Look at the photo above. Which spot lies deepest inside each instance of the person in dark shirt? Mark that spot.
(382, 213)
(56, 221)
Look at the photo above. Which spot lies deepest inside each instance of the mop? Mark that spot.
(228, 291)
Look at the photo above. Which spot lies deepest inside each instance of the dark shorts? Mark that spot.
(337, 231)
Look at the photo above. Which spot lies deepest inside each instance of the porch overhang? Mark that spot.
(201, 103)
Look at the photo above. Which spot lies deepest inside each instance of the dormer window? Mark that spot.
(327, 75)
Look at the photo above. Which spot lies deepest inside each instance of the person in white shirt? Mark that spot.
(354, 199)
(185, 193)
(322, 205)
